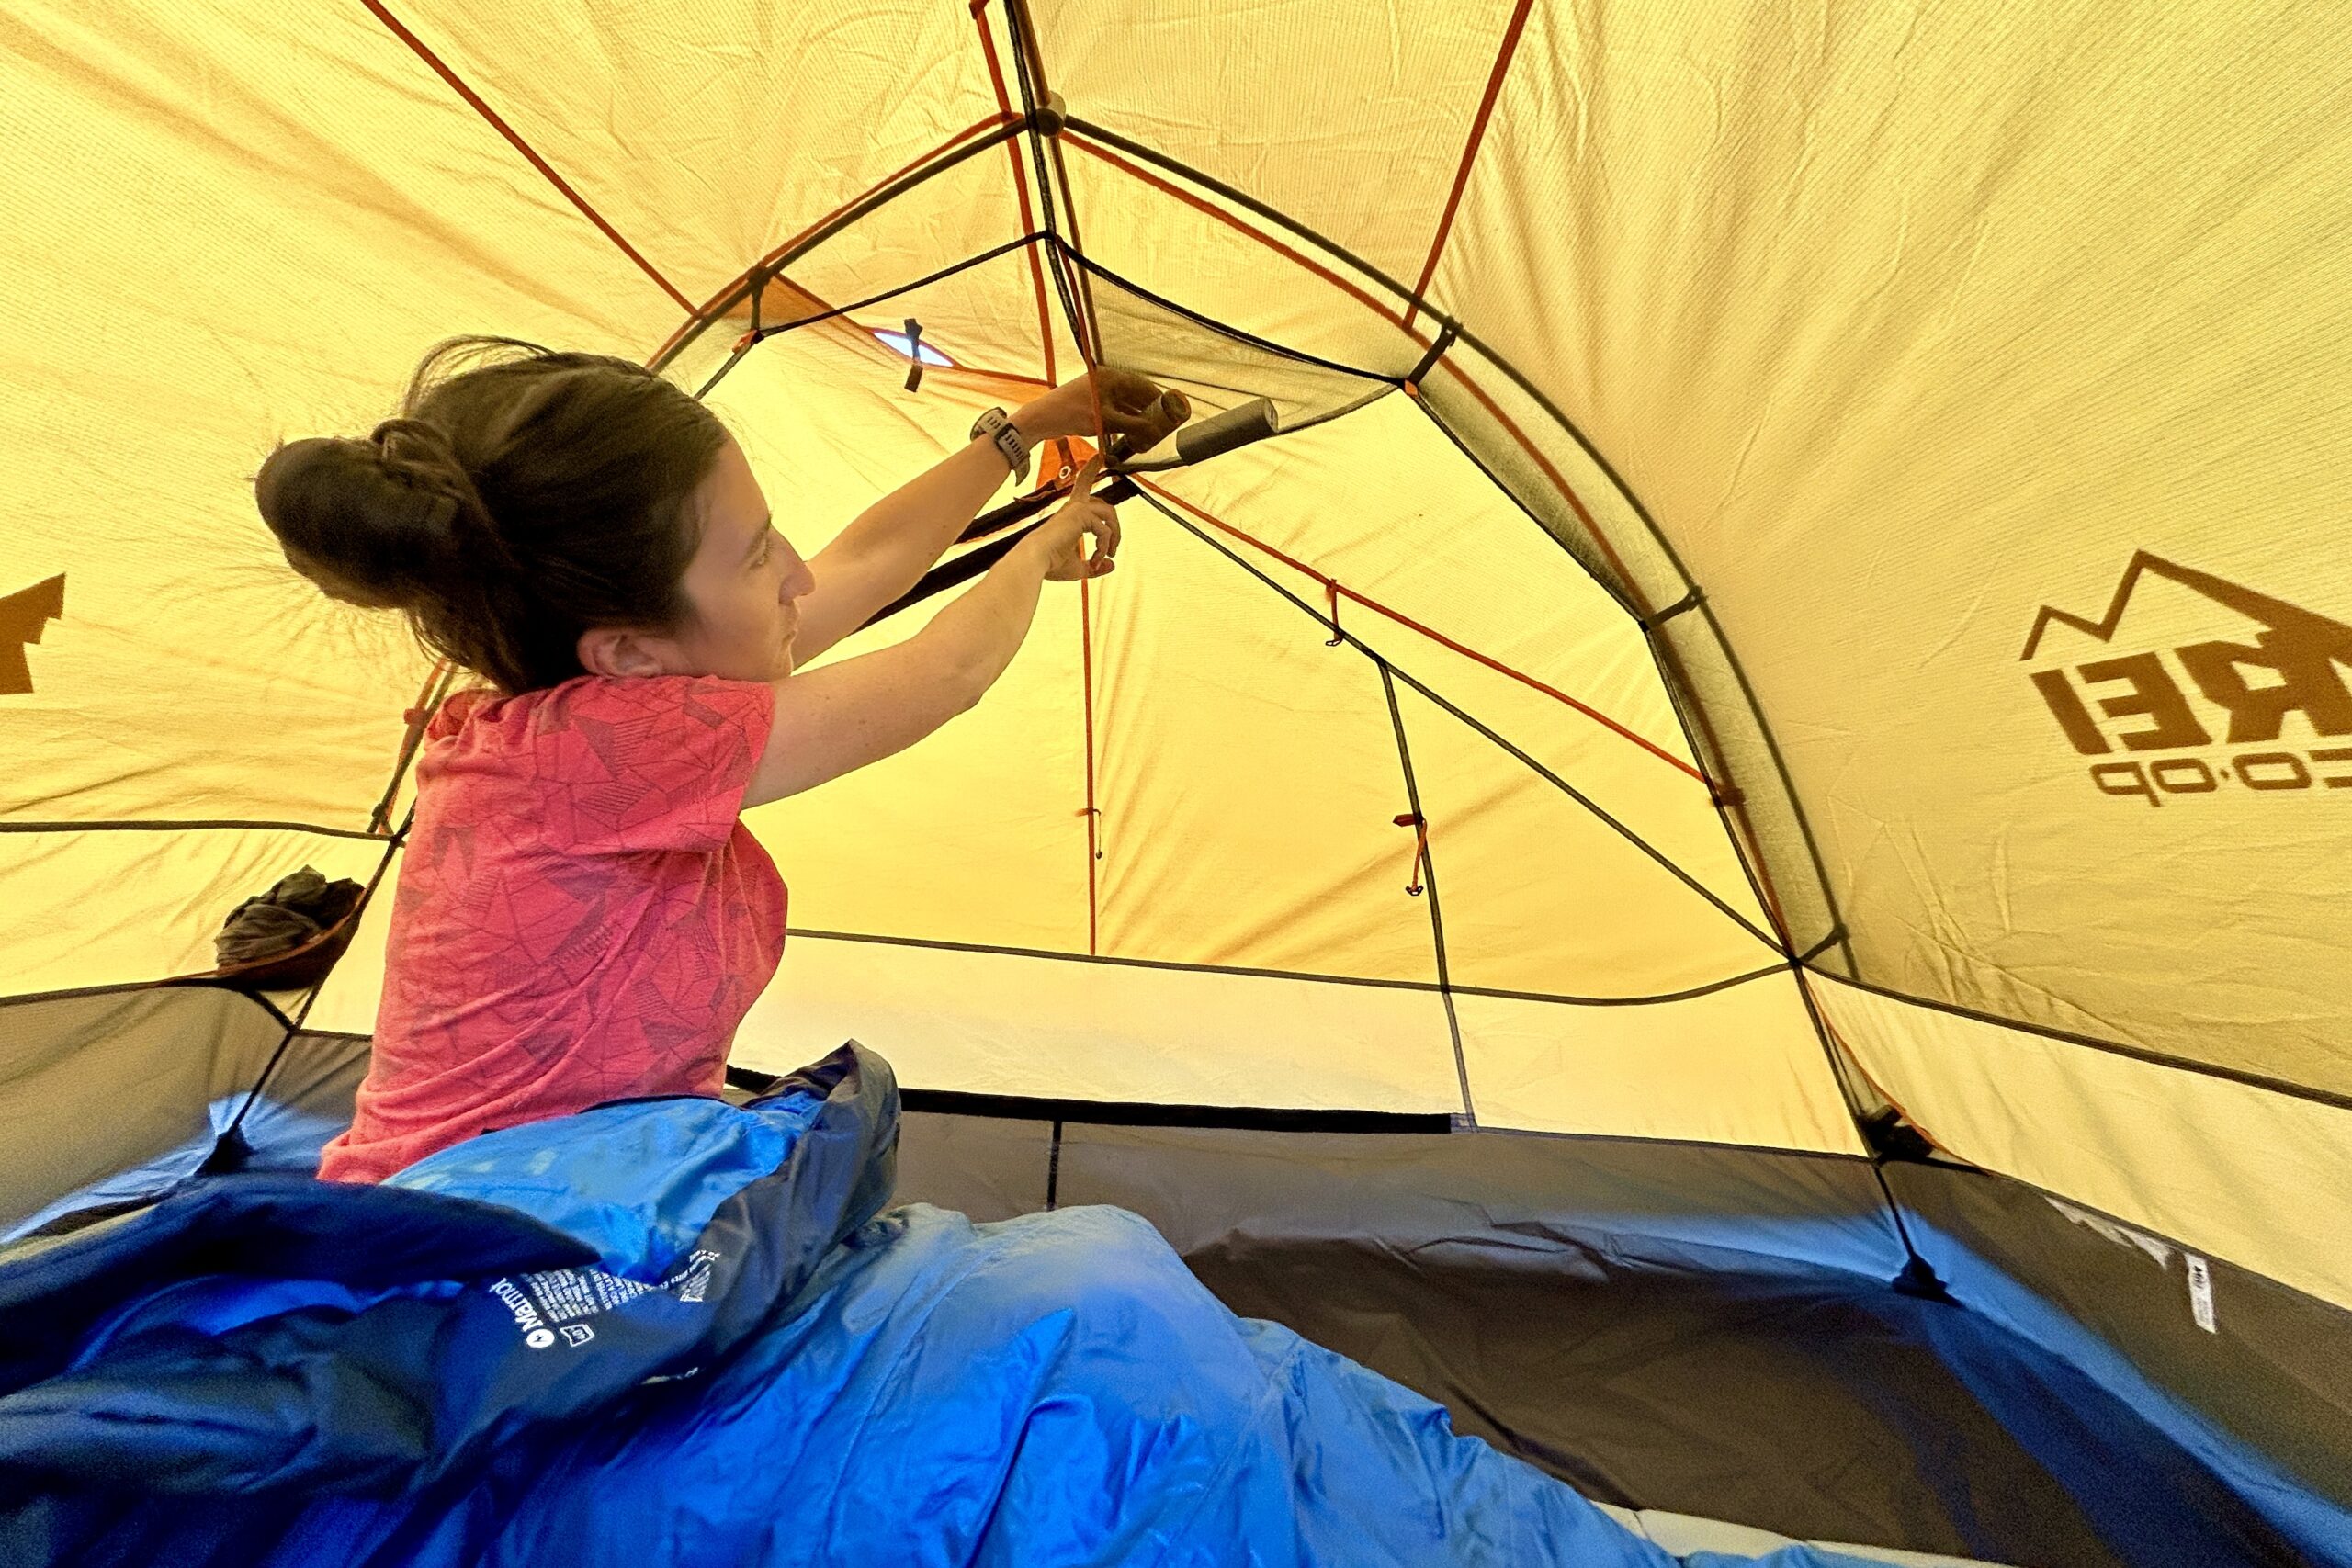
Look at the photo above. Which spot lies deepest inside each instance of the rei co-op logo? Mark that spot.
(2216, 690)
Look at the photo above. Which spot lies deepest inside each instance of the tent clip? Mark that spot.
(756, 282)
(1414, 819)
(1331, 591)
(1830, 938)
(1688, 602)
(1448, 330)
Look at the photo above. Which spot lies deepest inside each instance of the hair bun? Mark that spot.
(523, 497)
(375, 522)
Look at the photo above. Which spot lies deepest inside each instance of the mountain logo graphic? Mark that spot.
(2276, 663)
(22, 615)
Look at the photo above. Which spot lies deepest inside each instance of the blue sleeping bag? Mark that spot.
(675, 1332)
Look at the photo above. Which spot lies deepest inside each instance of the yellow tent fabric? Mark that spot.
(1834, 506)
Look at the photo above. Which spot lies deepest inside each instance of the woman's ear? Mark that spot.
(617, 651)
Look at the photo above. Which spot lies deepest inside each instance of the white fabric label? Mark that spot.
(2200, 1292)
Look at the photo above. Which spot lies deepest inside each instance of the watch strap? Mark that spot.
(1001, 430)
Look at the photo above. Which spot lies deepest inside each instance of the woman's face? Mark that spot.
(743, 582)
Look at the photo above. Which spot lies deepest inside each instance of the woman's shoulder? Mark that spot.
(598, 763)
(594, 703)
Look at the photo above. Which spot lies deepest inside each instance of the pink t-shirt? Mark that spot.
(580, 915)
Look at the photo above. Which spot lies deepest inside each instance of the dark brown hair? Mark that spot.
(521, 496)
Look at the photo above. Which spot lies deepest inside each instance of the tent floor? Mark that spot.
(1811, 1411)
(1683, 1534)
(1587, 1306)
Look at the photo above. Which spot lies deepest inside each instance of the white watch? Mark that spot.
(1007, 436)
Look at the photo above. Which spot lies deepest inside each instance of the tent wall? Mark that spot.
(233, 225)
(108, 1099)
(1903, 325)
(2272, 1376)
(159, 893)
(2192, 1156)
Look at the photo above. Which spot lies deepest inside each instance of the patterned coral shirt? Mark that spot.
(580, 915)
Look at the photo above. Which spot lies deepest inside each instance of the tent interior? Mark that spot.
(1550, 875)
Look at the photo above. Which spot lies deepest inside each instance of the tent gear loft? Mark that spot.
(1912, 1070)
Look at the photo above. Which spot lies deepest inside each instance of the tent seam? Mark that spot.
(1428, 873)
(1244, 971)
(420, 49)
(130, 987)
(2332, 1098)
(1020, 185)
(1470, 149)
(1340, 589)
(217, 824)
(1028, 61)
(948, 154)
(760, 335)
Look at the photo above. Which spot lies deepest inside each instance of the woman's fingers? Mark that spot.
(1102, 522)
(1105, 530)
(1136, 408)
(1081, 514)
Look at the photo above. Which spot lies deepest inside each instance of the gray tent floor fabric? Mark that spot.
(1683, 1534)
(1638, 1374)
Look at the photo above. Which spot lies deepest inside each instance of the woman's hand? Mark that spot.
(1132, 406)
(1060, 539)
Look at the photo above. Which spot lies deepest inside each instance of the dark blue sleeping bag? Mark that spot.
(675, 1332)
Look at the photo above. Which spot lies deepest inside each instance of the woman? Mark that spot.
(579, 916)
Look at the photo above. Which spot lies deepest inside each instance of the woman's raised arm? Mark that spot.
(892, 543)
(837, 720)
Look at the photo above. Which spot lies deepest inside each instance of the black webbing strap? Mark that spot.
(948, 573)
(971, 563)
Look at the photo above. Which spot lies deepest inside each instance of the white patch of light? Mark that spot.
(897, 342)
